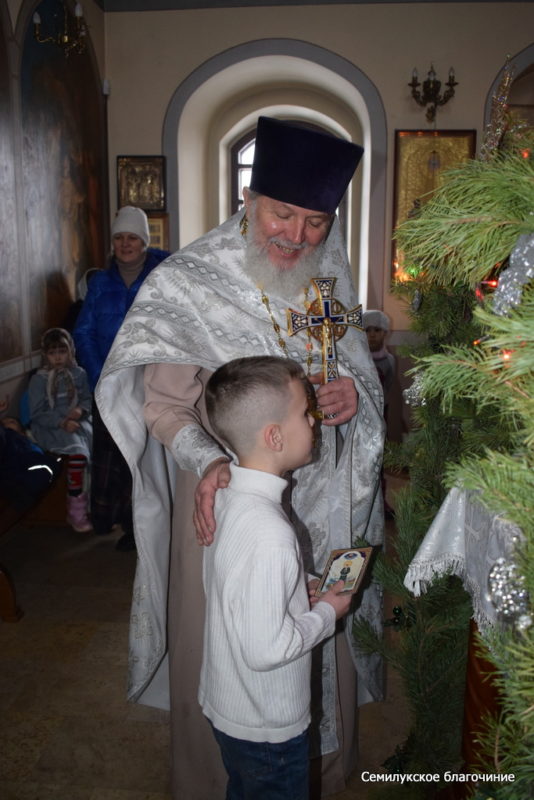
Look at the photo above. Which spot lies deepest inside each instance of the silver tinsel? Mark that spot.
(511, 280)
(508, 593)
(524, 622)
(413, 395)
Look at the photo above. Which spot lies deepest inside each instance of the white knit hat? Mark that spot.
(130, 219)
(375, 319)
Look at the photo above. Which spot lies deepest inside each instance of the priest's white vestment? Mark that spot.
(199, 309)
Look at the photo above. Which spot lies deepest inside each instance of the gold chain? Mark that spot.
(278, 330)
(276, 326)
(309, 343)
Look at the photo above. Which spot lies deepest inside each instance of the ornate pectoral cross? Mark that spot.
(327, 321)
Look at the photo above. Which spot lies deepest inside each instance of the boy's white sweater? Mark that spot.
(259, 629)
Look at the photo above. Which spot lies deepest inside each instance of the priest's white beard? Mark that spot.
(286, 283)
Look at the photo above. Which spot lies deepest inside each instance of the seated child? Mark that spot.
(260, 629)
(60, 409)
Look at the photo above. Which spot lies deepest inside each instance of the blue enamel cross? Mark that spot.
(327, 321)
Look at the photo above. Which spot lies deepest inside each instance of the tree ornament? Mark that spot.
(512, 280)
(417, 299)
(524, 622)
(413, 395)
(507, 590)
(399, 619)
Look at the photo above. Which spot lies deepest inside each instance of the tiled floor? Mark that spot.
(66, 730)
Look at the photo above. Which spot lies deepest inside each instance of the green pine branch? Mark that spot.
(497, 375)
(508, 740)
(474, 428)
(472, 221)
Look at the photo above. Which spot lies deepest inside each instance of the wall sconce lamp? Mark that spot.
(430, 95)
(71, 37)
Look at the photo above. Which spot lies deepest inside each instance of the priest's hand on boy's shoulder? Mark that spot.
(338, 400)
(216, 476)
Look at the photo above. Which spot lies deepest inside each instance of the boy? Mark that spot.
(376, 326)
(260, 629)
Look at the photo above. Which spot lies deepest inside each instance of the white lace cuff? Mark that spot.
(194, 449)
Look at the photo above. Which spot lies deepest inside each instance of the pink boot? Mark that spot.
(77, 513)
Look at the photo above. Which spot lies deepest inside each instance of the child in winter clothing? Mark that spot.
(261, 625)
(25, 470)
(376, 326)
(60, 412)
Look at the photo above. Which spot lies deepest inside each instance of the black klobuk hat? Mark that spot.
(302, 167)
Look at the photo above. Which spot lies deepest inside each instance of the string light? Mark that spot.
(507, 355)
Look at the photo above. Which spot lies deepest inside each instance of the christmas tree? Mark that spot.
(470, 254)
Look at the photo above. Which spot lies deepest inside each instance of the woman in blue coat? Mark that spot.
(109, 296)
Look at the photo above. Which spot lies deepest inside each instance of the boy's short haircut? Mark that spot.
(247, 393)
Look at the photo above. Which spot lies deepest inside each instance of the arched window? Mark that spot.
(241, 158)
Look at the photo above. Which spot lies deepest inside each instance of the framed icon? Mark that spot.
(141, 182)
(348, 566)
(421, 159)
(158, 225)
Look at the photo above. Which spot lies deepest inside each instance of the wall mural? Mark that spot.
(10, 323)
(63, 171)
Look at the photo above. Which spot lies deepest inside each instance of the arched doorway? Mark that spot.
(278, 77)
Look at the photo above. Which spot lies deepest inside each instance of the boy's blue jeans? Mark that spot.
(264, 771)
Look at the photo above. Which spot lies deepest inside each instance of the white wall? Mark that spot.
(147, 55)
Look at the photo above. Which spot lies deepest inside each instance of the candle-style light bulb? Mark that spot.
(78, 10)
(36, 19)
(415, 75)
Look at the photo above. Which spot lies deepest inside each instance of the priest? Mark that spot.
(224, 296)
